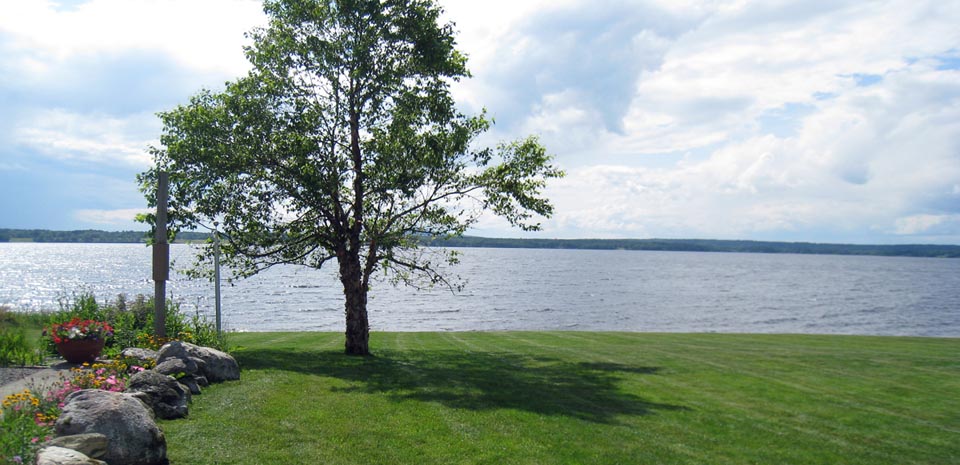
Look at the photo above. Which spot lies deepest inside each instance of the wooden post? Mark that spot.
(161, 259)
(216, 273)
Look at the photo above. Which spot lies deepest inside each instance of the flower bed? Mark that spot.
(27, 418)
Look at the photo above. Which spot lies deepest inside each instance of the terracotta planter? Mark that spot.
(80, 351)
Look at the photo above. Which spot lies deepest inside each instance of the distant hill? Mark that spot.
(709, 245)
(87, 236)
(677, 245)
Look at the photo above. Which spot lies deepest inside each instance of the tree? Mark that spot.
(344, 144)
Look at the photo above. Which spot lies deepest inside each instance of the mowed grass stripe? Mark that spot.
(857, 376)
(560, 389)
(531, 397)
(753, 409)
(819, 421)
(719, 402)
(797, 367)
(755, 406)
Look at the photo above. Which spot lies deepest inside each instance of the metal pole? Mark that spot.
(161, 258)
(216, 273)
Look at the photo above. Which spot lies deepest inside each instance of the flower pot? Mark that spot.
(80, 350)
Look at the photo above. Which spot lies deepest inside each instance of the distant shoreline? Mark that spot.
(88, 236)
(672, 245)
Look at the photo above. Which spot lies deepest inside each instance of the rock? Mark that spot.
(191, 383)
(220, 366)
(143, 355)
(132, 434)
(175, 367)
(214, 365)
(93, 445)
(54, 455)
(168, 398)
(184, 371)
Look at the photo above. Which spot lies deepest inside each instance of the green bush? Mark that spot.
(15, 347)
(7, 317)
(133, 319)
(16, 350)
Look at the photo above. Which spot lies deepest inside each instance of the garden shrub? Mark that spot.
(132, 321)
(15, 348)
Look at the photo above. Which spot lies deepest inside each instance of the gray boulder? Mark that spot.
(191, 383)
(212, 364)
(93, 445)
(168, 398)
(54, 455)
(132, 434)
(176, 367)
(184, 370)
(137, 353)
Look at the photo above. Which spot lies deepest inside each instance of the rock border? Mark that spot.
(165, 391)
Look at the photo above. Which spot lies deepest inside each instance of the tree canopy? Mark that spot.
(344, 145)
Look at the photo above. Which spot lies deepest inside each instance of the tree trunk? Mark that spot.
(355, 293)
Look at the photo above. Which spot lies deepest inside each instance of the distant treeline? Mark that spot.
(87, 236)
(708, 245)
(675, 245)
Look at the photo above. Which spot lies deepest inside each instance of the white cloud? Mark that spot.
(5, 166)
(734, 119)
(118, 217)
(93, 138)
(918, 223)
(741, 62)
(203, 35)
(863, 161)
(833, 119)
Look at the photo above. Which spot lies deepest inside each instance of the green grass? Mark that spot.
(579, 398)
(20, 338)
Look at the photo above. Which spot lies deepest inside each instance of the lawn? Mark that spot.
(579, 398)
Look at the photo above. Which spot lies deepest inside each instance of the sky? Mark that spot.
(816, 121)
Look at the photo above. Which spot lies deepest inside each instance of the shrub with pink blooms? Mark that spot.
(110, 376)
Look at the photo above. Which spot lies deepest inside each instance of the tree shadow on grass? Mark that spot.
(476, 381)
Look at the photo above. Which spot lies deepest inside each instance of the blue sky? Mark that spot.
(827, 121)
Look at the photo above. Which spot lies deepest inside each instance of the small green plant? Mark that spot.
(15, 347)
(16, 350)
(7, 318)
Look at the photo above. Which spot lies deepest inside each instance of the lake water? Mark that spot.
(527, 289)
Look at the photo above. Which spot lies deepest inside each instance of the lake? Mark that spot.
(536, 289)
